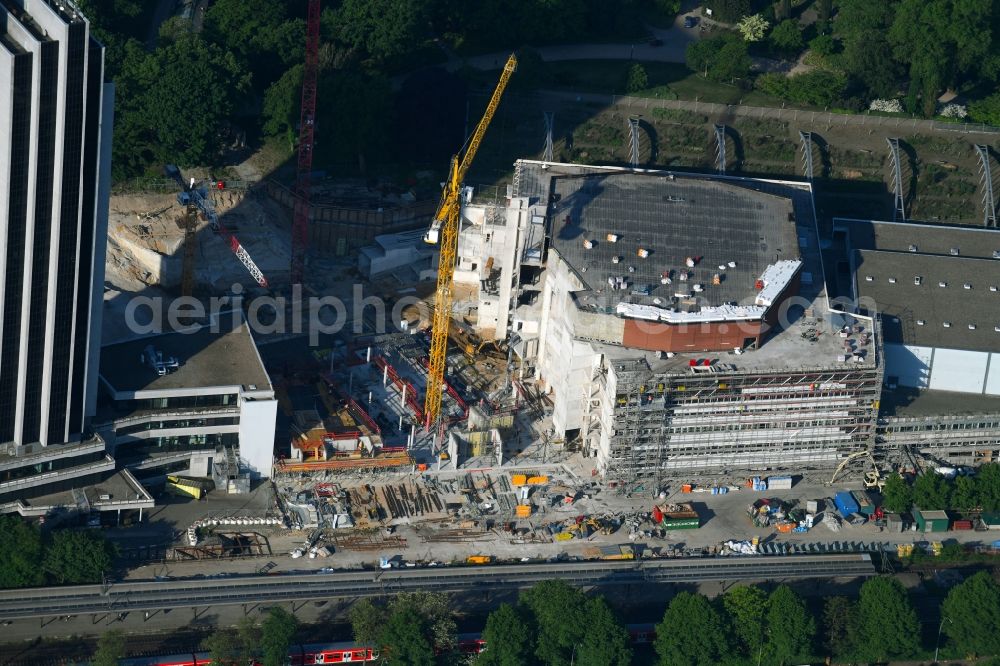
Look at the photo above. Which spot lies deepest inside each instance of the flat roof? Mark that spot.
(672, 217)
(206, 359)
(904, 304)
(921, 237)
(904, 402)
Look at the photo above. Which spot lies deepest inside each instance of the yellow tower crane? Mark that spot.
(444, 229)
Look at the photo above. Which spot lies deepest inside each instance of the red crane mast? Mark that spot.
(307, 123)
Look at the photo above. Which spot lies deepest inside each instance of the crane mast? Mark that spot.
(444, 229)
(307, 124)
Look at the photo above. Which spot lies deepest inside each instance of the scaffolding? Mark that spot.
(633, 134)
(986, 178)
(720, 149)
(719, 423)
(807, 154)
(899, 204)
(549, 122)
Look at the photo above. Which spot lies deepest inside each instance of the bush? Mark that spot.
(818, 88)
(823, 45)
(886, 105)
(986, 110)
(637, 79)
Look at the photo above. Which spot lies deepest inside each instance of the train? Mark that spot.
(317, 654)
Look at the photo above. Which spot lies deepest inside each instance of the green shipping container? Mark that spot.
(681, 523)
(931, 521)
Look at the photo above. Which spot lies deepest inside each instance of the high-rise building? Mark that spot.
(55, 141)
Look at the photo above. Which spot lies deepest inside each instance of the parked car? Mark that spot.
(690, 21)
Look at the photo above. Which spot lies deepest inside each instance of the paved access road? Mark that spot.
(153, 595)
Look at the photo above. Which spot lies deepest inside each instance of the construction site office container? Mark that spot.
(779, 482)
(931, 521)
(893, 522)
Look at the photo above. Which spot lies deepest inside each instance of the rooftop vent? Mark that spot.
(917, 280)
(967, 285)
(996, 254)
(892, 280)
(912, 248)
(953, 251)
(946, 324)
(869, 278)
(942, 284)
(993, 287)
(920, 322)
(972, 327)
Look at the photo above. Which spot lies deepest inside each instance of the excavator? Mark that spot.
(444, 231)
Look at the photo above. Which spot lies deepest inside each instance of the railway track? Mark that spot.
(155, 595)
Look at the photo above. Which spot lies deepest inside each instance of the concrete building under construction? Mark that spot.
(679, 322)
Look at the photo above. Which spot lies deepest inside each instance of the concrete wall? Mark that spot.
(944, 369)
(257, 418)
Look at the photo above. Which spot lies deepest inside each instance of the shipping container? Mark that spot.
(845, 503)
(931, 521)
(779, 482)
(962, 525)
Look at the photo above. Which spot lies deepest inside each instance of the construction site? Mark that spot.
(574, 351)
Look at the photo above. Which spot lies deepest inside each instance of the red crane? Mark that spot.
(307, 123)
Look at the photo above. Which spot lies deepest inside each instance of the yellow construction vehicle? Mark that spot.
(444, 230)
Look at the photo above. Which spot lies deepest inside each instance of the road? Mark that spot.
(155, 595)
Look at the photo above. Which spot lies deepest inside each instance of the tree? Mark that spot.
(729, 11)
(277, 632)
(721, 58)
(931, 492)
(819, 87)
(76, 557)
(637, 79)
(942, 41)
(366, 621)
(988, 486)
(745, 607)
(840, 622)
(173, 105)
(437, 612)
(352, 117)
(510, 637)
(986, 110)
(255, 29)
(888, 625)
(753, 28)
(110, 649)
(897, 496)
(971, 615)
(606, 641)
(223, 647)
(281, 104)
(558, 611)
(786, 37)
(20, 554)
(964, 494)
(404, 638)
(790, 627)
(383, 28)
(173, 29)
(692, 633)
